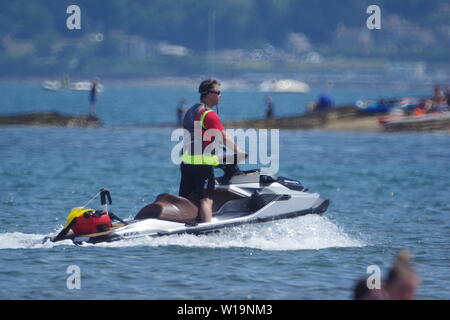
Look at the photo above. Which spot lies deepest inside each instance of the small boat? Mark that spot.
(74, 86)
(426, 122)
(84, 86)
(284, 86)
(384, 106)
(52, 85)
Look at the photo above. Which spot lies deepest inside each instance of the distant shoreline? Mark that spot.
(344, 118)
(55, 119)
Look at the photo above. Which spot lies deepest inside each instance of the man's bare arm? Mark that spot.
(229, 143)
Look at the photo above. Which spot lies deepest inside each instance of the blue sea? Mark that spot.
(387, 192)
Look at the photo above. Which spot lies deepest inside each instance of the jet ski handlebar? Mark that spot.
(230, 169)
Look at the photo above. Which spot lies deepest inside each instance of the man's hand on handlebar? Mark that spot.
(241, 155)
(234, 158)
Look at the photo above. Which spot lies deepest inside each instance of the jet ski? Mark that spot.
(240, 197)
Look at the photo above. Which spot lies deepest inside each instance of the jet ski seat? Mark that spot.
(171, 208)
(174, 208)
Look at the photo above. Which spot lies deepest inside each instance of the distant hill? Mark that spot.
(33, 33)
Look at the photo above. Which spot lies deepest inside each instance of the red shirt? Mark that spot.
(211, 121)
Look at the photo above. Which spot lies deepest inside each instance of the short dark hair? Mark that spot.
(205, 86)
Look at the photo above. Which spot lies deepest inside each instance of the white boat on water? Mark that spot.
(74, 86)
(84, 86)
(52, 85)
(284, 86)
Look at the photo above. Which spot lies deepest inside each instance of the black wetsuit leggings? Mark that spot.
(197, 181)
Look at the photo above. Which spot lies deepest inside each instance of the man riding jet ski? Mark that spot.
(240, 197)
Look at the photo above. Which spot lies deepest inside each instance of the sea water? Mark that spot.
(387, 191)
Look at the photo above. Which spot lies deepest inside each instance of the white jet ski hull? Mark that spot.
(157, 228)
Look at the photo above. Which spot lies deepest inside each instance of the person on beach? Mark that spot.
(438, 98)
(197, 170)
(66, 81)
(324, 102)
(447, 95)
(270, 106)
(93, 97)
(438, 101)
(180, 111)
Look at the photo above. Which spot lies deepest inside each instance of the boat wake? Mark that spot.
(310, 232)
(19, 240)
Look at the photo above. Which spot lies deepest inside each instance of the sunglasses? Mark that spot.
(216, 92)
